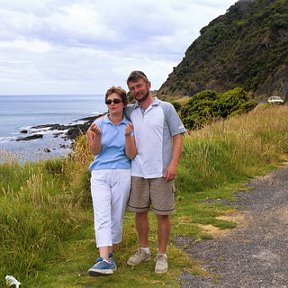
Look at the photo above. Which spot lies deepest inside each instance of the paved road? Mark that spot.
(255, 253)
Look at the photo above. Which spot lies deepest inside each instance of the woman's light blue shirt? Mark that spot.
(112, 155)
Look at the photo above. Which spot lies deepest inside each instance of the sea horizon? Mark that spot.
(22, 112)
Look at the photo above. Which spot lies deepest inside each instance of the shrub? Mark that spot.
(206, 106)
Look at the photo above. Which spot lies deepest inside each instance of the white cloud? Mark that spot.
(85, 46)
(20, 44)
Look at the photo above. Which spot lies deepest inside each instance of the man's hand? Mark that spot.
(170, 173)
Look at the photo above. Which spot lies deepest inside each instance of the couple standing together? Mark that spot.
(135, 163)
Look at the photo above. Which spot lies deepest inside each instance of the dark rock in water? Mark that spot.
(90, 118)
(30, 137)
(51, 127)
(68, 132)
(73, 130)
(80, 129)
(56, 135)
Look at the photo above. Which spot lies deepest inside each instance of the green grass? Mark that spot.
(46, 220)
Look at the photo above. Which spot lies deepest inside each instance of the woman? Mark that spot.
(112, 142)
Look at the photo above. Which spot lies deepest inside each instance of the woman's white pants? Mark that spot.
(110, 192)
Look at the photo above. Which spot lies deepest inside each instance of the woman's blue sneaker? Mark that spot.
(111, 259)
(102, 267)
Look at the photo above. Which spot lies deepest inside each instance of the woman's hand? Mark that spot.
(129, 129)
(94, 139)
(130, 145)
(95, 129)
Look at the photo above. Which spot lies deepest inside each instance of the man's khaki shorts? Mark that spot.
(156, 193)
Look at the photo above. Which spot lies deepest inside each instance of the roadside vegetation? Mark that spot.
(206, 106)
(46, 221)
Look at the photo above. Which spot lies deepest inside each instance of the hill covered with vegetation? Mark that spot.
(247, 47)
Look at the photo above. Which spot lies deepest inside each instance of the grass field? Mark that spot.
(47, 237)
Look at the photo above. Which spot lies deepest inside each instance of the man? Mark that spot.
(158, 132)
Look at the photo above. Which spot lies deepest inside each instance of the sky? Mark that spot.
(86, 46)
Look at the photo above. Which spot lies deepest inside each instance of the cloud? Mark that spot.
(85, 46)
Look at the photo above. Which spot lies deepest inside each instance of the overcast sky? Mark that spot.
(86, 46)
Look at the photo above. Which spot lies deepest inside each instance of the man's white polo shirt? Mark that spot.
(153, 130)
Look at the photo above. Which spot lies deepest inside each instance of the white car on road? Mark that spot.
(275, 100)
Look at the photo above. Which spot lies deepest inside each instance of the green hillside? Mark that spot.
(247, 47)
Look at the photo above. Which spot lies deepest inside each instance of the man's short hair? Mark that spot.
(137, 75)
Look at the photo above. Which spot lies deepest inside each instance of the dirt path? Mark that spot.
(255, 253)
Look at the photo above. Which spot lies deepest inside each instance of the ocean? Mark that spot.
(21, 112)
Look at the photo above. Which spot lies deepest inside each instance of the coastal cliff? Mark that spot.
(247, 47)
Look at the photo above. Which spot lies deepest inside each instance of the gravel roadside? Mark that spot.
(254, 254)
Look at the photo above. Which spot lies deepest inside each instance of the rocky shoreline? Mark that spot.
(66, 131)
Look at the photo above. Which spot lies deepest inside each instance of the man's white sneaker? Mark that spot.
(161, 263)
(138, 257)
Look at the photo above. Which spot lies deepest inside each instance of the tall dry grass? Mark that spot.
(40, 209)
(229, 150)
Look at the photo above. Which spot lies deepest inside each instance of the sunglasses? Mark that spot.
(115, 101)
